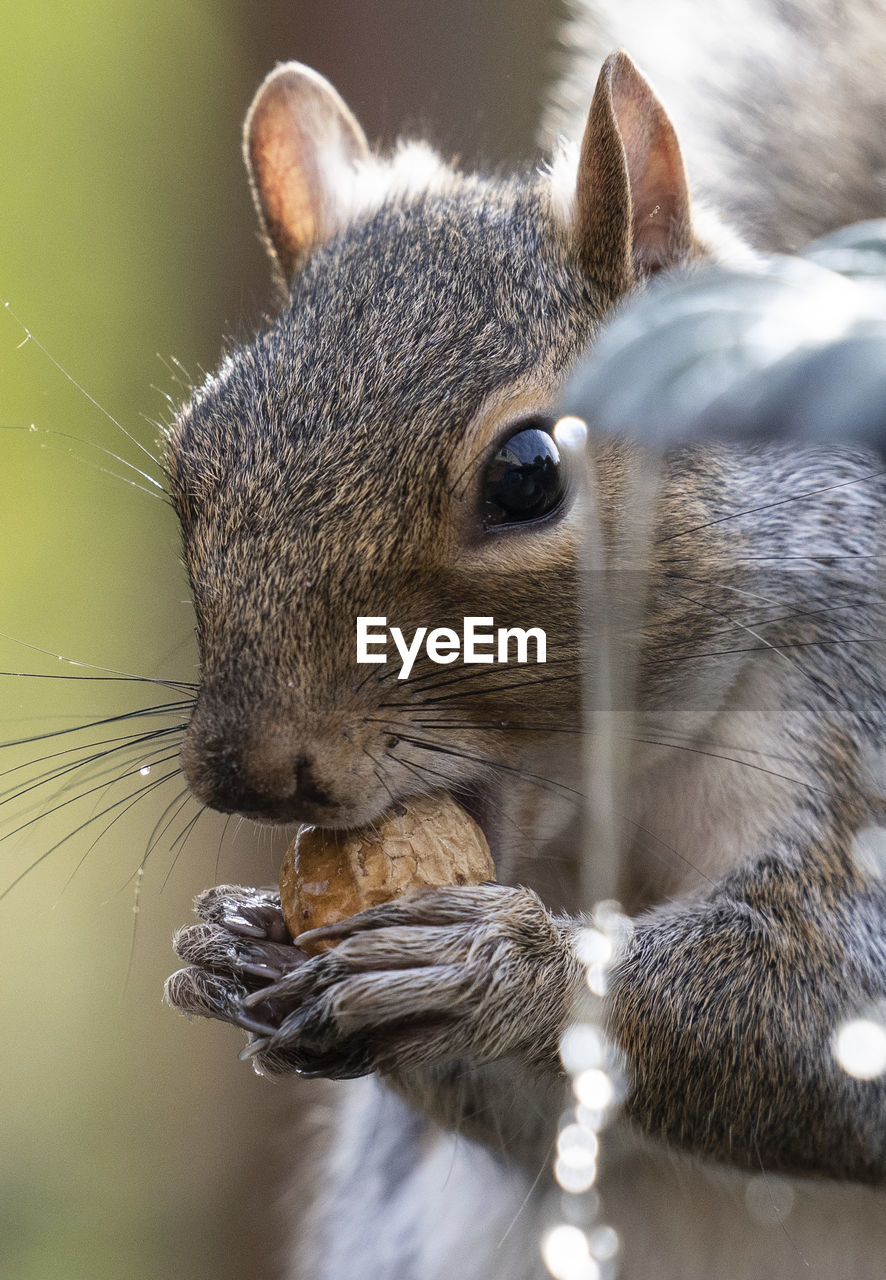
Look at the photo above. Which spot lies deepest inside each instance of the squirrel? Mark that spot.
(343, 464)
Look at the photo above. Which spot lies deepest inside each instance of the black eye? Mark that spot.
(525, 479)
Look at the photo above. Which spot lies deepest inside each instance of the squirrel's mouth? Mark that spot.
(480, 802)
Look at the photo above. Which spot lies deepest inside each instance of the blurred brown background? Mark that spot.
(131, 1142)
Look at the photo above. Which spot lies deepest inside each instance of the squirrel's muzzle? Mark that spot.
(272, 770)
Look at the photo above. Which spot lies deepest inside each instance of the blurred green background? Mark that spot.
(133, 1143)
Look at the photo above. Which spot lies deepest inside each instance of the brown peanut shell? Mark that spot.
(329, 875)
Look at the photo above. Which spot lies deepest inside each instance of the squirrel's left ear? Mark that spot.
(631, 211)
(302, 145)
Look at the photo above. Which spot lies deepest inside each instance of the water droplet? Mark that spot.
(860, 1048)
(769, 1199)
(145, 770)
(582, 1046)
(593, 947)
(597, 979)
(577, 1145)
(589, 1119)
(604, 1242)
(566, 1254)
(575, 1178)
(593, 1088)
(571, 433)
(576, 1165)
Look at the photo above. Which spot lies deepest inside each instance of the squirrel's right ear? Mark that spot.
(302, 145)
(630, 214)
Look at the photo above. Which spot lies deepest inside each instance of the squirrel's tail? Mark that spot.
(780, 105)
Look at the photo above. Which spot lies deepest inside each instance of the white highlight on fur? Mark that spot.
(721, 241)
(562, 175)
(860, 1048)
(362, 188)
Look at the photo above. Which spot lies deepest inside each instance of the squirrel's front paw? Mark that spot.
(438, 975)
(241, 944)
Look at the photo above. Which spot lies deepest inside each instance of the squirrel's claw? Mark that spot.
(254, 1048)
(266, 972)
(243, 910)
(242, 927)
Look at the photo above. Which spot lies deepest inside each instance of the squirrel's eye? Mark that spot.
(524, 480)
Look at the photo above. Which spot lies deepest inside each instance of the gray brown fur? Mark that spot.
(331, 468)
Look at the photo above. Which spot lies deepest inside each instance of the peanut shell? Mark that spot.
(329, 875)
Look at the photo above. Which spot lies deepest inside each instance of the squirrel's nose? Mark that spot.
(262, 775)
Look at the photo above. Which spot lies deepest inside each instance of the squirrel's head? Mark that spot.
(385, 449)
